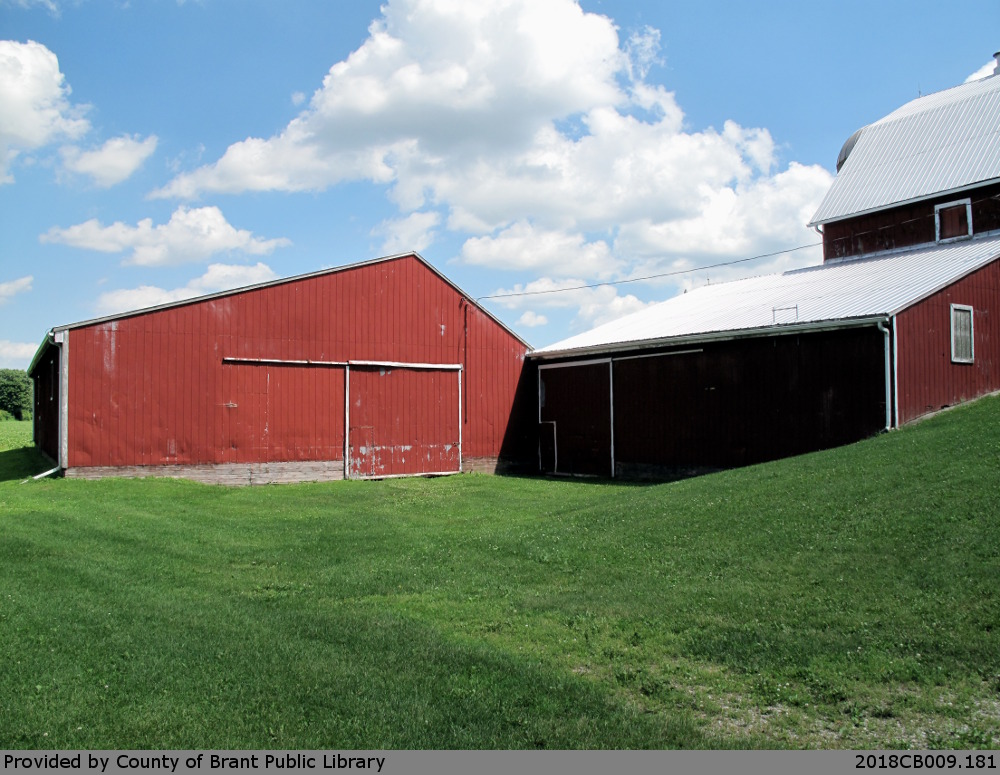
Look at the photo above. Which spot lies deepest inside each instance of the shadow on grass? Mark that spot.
(22, 463)
(320, 676)
(651, 480)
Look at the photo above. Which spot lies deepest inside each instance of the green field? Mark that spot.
(843, 599)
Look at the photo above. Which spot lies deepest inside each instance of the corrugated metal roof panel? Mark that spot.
(939, 143)
(842, 291)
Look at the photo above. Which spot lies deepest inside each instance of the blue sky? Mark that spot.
(156, 149)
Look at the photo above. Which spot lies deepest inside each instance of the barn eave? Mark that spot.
(712, 336)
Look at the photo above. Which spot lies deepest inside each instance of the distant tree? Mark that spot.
(15, 392)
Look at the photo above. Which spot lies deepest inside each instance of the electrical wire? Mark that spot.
(650, 276)
(836, 240)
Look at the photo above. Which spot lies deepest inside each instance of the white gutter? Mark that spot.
(49, 338)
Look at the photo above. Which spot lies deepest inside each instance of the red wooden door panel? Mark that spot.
(403, 421)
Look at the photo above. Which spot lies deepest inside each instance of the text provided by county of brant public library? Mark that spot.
(211, 761)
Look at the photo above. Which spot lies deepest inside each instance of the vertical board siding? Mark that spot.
(46, 402)
(741, 402)
(403, 421)
(153, 389)
(927, 379)
(906, 225)
(575, 414)
(724, 404)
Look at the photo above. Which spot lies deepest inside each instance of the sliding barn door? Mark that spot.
(403, 421)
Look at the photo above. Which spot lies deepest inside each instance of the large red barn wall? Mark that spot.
(152, 389)
(927, 378)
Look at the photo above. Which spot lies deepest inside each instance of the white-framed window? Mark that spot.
(953, 220)
(962, 339)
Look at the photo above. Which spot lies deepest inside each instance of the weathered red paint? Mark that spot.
(927, 379)
(153, 388)
(286, 413)
(403, 421)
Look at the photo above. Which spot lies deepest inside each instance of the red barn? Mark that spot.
(383, 368)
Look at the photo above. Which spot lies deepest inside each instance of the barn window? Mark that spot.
(953, 220)
(962, 350)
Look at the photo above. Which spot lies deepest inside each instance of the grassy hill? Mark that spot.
(848, 598)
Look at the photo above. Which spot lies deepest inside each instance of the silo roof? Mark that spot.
(944, 142)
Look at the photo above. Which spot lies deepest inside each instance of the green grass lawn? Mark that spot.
(843, 599)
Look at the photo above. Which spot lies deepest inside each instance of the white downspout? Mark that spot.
(888, 375)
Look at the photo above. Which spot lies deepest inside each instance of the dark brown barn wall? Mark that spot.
(718, 405)
(46, 407)
(747, 401)
(926, 377)
(575, 419)
(906, 225)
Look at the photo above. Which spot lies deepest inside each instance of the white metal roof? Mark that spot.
(842, 293)
(944, 142)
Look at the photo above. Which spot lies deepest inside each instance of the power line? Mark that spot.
(649, 277)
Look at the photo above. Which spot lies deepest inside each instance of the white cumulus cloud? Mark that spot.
(11, 288)
(190, 235)
(523, 246)
(530, 319)
(594, 305)
(414, 232)
(218, 277)
(34, 102)
(434, 78)
(49, 5)
(982, 72)
(113, 162)
(16, 355)
(529, 128)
